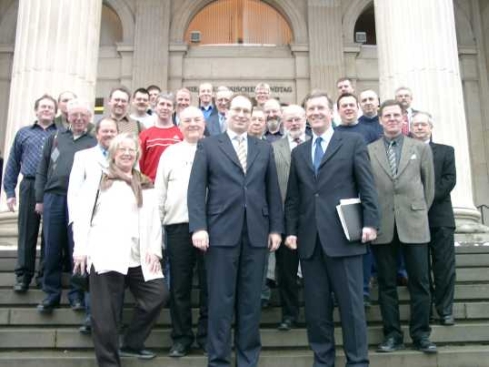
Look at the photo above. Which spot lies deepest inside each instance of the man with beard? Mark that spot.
(294, 119)
(183, 99)
(156, 139)
(118, 110)
(273, 113)
(140, 104)
(216, 124)
(404, 96)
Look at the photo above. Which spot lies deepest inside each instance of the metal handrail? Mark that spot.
(482, 208)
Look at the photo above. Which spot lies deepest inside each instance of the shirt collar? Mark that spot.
(232, 135)
(398, 139)
(208, 108)
(326, 135)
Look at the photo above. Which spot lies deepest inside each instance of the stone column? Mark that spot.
(150, 59)
(326, 50)
(417, 47)
(56, 49)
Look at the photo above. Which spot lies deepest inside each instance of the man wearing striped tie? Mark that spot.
(404, 176)
(235, 214)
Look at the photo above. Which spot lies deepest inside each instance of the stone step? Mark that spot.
(449, 356)
(463, 292)
(13, 317)
(70, 338)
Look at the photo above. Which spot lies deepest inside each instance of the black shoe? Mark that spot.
(425, 345)
(286, 325)
(21, 287)
(402, 281)
(178, 350)
(366, 301)
(390, 344)
(265, 303)
(77, 305)
(447, 320)
(141, 354)
(47, 306)
(85, 329)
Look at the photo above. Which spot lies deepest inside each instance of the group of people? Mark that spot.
(174, 189)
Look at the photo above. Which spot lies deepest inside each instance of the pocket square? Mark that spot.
(413, 156)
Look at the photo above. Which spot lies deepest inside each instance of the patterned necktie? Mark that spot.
(405, 124)
(391, 156)
(318, 154)
(241, 152)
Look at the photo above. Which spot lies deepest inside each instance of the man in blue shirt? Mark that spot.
(24, 158)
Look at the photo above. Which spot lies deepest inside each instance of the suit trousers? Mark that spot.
(287, 266)
(416, 260)
(59, 240)
(234, 279)
(184, 257)
(106, 292)
(28, 226)
(442, 253)
(344, 277)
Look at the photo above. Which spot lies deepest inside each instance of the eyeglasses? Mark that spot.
(245, 111)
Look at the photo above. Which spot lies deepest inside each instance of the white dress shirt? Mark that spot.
(232, 135)
(324, 144)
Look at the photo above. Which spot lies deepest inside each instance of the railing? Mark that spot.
(483, 210)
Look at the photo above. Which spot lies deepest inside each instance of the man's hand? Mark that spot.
(291, 242)
(79, 265)
(39, 208)
(11, 203)
(200, 239)
(368, 234)
(154, 263)
(274, 240)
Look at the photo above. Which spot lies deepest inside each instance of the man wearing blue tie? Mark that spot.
(331, 166)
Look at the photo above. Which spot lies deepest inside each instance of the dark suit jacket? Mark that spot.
(441, 211)
(212, 124)
(220, 194)
(310, 205)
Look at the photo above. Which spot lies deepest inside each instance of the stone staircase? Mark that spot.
(28, 338)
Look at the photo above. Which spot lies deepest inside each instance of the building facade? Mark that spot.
(440, 49)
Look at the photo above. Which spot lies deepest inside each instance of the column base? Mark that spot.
(467, 220)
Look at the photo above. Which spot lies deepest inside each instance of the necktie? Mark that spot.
(318, 154)
(405, 124)
(391, 156)
(222, 123)
(241, 151)
(298, 141)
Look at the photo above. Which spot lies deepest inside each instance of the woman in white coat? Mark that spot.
(118, 241)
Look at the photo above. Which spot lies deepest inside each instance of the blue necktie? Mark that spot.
(318, 154)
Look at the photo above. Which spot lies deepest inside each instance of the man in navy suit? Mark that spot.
(235, 214)
(331, 166)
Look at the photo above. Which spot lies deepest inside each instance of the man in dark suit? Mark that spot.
(329, 167)
(403, 171)
(441, 219)
(294, 120)
(216, 123)
(235, 213)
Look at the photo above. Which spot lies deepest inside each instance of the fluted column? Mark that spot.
(326, 47)
(56, 49)
(417, 47)
(150, 60)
